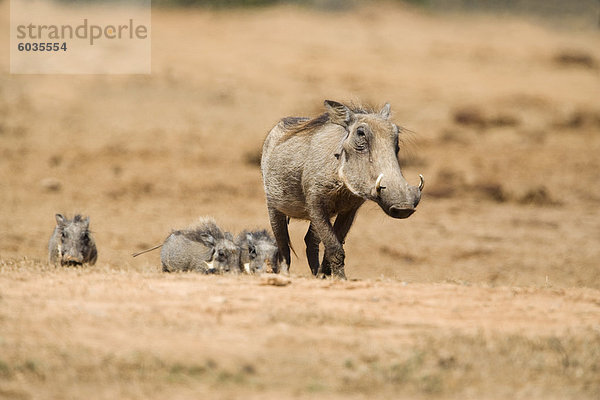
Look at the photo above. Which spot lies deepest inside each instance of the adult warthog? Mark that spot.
(329, 166)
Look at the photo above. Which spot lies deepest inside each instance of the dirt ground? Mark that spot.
(490, 290)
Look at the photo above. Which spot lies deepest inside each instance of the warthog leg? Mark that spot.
(312, 249)
(342, 225)
(280, 231)
(332, 237)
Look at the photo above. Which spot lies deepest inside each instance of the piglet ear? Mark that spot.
(385, 111)
(60, 219)
(207, 239)
(86, 222)
(249, 237)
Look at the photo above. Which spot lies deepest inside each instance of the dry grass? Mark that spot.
(69, 332)
(506, 135)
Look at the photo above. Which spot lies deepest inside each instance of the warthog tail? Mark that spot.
(147, 250)
(288, 219)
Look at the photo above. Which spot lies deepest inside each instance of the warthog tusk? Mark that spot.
(378, 186)
(247, 267)
(422, 183)
(211, 266)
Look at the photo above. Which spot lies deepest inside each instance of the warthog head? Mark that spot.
(368, 155)
(72, 241)
(226, 255)
(259, 251)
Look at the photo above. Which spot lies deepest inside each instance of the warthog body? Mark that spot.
(259, 251)
(71, 242)
(316, 169)
(204, 248)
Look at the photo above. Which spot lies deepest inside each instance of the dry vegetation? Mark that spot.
(491, 290)
(117, 333)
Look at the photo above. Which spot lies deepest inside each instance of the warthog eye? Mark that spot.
(252, 251)
(360, 140)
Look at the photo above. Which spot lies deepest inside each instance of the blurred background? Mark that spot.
(501, 99)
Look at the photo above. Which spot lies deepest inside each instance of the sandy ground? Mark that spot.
(106, 333)
(490, 290)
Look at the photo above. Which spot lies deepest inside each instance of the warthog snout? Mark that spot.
(400, 212)
(72, 259)
(398, 199)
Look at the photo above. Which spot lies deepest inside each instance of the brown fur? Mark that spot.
(299, 125)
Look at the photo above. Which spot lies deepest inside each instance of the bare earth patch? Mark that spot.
(117, 334)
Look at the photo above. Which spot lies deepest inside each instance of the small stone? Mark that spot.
(274, 280)
(51, 184)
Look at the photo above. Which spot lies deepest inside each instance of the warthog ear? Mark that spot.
(385, 111)
(208, 239)
(60, 219)
(338, 113)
